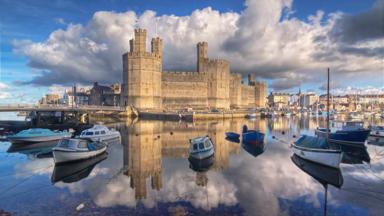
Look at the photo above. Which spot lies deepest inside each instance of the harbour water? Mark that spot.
(147, 172)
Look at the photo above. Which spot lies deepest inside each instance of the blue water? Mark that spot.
(148, 173)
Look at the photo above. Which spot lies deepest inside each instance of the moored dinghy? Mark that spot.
(252, 136)
(38, 135)
(77, 149)
(317, 149)
(201, 147)
(232, 135)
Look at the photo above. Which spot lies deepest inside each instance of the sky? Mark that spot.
(47, 45)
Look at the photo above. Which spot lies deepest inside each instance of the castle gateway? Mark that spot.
(147, 86)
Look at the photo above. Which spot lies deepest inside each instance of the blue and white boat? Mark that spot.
(317, 149)
(77, 149)
(232, 135)
(38, 135)
(201, 148)
(351, 133)
(252, 136)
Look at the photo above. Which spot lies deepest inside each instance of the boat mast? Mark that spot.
(328, 106)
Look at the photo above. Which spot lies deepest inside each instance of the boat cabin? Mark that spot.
(200, 144)
(95, 131)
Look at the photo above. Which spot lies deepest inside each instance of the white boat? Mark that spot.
(377, 131)
(38, 135)
(100, 133)
(316, 149)
(355, 115)
(77, 149)
(201, 147)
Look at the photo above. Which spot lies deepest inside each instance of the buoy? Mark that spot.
(273, 137)
(294, 136)
(283, 132)
(171, 133)
(158, 136)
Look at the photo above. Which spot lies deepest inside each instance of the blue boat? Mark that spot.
(352, 133)
(232, 135)
(252, 136)
(34, 135)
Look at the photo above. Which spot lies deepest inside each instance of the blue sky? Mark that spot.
(35, 20)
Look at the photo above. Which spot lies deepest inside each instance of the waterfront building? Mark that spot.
(146, 86)
(101, 95)
(279, 100)
(309, 100)
(50, 99)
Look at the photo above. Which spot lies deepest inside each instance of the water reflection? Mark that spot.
(41, 149)
(75, 171)
(149, 172)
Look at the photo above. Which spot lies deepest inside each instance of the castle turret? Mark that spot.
(157, 46)
(142, 73)
(202, 55)
(140, 41)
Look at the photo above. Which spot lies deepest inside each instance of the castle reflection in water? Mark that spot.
(147, 143)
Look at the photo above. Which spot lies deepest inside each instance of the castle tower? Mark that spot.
(202, 55)
(142, 73)
(260, 94)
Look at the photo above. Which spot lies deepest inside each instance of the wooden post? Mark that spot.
(328, 106)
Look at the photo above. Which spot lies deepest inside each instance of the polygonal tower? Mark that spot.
(142, 70)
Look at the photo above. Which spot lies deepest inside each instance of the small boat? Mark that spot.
(201, 147)
(251, 115)
(252, 136)
(38, 135)
(75, 171)
(355, 115)
(377, 131)
(351, 133)
(100, 133)
(77, 149)
(317, 149)
(232, 135)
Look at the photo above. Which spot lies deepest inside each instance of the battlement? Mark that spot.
(140, 30)
(218, 62)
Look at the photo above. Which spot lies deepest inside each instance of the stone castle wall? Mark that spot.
(146, 86)
(184, 89)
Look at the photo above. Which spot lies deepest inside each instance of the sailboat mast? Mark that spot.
(328, 106)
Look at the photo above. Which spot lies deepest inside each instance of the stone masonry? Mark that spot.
(147, 86)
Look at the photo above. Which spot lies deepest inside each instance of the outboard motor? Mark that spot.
(245, 129)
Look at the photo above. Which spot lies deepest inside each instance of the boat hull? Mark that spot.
(331, 158)
(232, 135)
(62, 156)
(107, 137)
(252, 137)
(202, 154)
(357, 137)
(377, 133)
(37, 138)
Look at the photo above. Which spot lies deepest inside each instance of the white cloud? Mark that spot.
(3, 91)
(264, 39)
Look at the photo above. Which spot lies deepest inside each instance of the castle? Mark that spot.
(146, 86)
